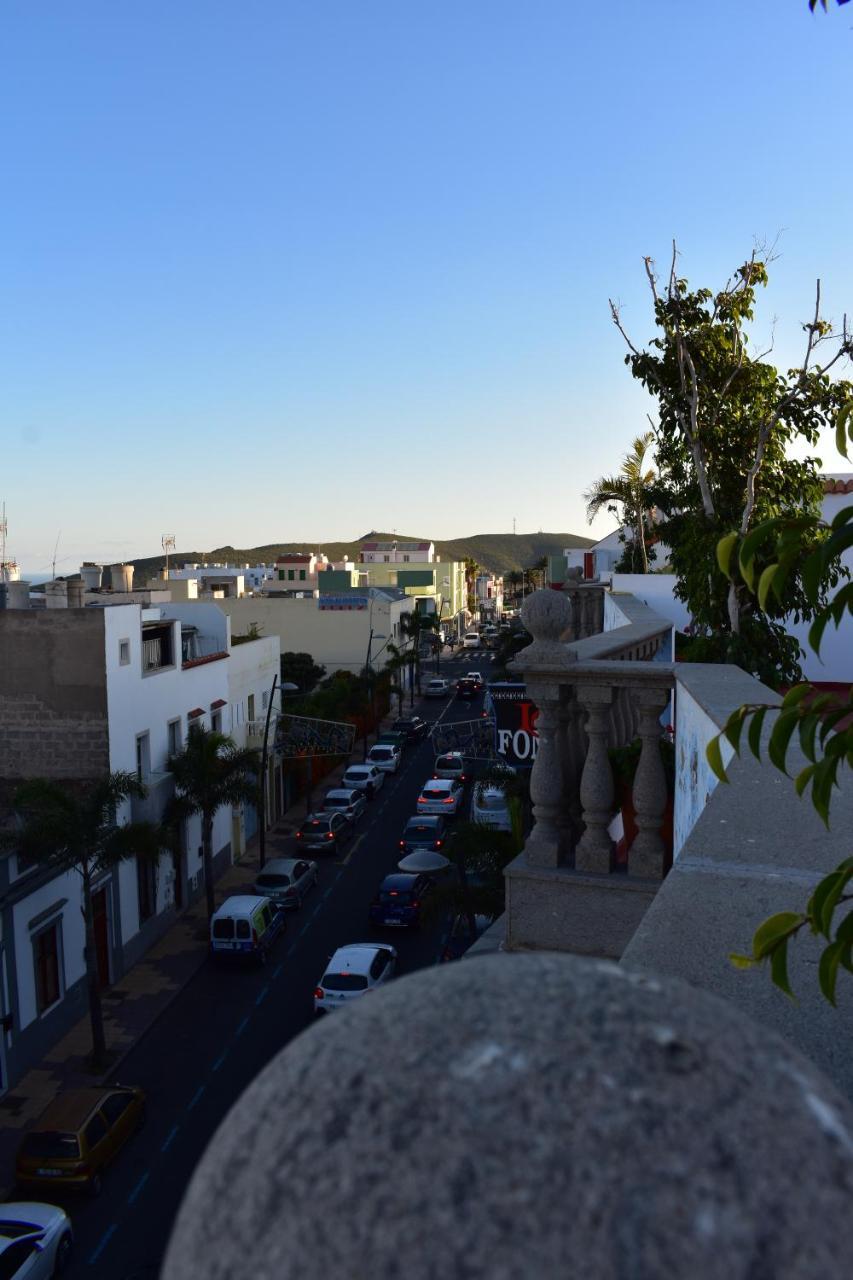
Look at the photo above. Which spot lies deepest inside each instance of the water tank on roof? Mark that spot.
(17, 594)
(122, 577)
(92, 575)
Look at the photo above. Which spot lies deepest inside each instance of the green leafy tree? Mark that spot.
(813, 4)
(301, 669)
(416, 626)
(210, 773)
(398, 662)
(627, 496)
(726, 418)
(821, 722)
(74, 829)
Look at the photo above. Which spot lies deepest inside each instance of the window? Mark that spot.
(15, 1258)
(146, 883)
(290, 575)
(386, 558)
(281, 575)
(48, 975)
(243, 929)
(301, 575)
(143, 756)
(124, 653)
(95, 1131)
(115, 1106)
(251, 707)
(216, 721)
(173, 737)
(405, 559)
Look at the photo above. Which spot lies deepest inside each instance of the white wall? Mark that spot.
(73, 937)
(694, 778)
(655, 590)
(251, 669)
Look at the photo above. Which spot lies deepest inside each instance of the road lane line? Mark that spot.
(262, 994)
(219, 1061)
(102, 1243)
(277, 970)
(243, 1025)
(138, 1188)
(171, 1135)
(196, 1096)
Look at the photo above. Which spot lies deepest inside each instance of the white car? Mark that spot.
(358, 776)
(489, 807)
(351, 972)
(286, 880)
(35, 1240)
(440, 795)
(437, 687)
(471, 640)
(450, 765)
(385, 757)
(351, 804)
(476, 676)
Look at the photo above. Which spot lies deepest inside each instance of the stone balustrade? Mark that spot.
(590, 698)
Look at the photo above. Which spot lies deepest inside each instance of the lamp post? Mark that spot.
(428, 861)
(369, 671)
(284, 688)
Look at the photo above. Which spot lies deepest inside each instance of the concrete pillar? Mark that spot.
(646, 856)
(595, 847)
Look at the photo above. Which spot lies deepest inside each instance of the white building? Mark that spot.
(395, 552)
(84, 692)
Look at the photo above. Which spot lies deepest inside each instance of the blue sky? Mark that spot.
(277, 270)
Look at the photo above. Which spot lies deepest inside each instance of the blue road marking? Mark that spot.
(277, 970)
(170, 1137)
(262, 994)
(242, 1027)
(102, 1244)
(196, 1096)
(219, 1061)
(328, 891)
(137, 1189)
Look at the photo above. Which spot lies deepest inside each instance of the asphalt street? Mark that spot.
(229, 1022)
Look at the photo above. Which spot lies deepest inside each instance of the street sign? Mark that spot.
(474, 738)
(516, 739)
(300, 736)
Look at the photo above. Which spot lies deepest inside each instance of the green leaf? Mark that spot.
(817, 629)
(715, 759)
(779, 968)
(808, 730)
(765, 582)
(777, 747)
(754, 735)
(845, 416)
(742, 962)
(812, 573)
(725, 547)
(771, 931)
(734, 727)
(830, 901)
(828, 969)
(748, 548)
(803, 778)
(794, 696)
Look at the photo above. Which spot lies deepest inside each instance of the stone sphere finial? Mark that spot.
(547, 615)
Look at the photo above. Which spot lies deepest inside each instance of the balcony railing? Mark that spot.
(196, 648)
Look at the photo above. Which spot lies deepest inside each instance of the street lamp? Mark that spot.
(285, 687)
(427, 861)
(369, 671)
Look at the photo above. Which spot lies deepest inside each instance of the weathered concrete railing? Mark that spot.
(663, 1135)
(587, 610)
(555, 886)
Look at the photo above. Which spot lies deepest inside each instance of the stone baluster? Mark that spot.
(573, 742)
(546, 615)
(646, 854)
(594, 848)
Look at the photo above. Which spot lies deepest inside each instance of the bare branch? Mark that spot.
(649, 264)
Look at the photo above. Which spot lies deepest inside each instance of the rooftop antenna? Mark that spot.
(55, 549)
(167, 542)
(4, 529)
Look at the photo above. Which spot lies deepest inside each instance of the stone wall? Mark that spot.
(53, 697)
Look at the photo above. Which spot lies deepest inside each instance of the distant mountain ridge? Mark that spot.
(498, 552)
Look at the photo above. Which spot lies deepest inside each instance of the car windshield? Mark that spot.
(315, 825)
(12, 1229)
(344, 982)
(273, 881)
(337, 802)
(395, 897)
(381, 753)
(415, 829)
(223, 928)
(48, 1144)
(448, 762)
(357, 773)
(492, 801)
(436, 791)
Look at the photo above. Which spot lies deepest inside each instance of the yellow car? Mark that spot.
(78, 1135)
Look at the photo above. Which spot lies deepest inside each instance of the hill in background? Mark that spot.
(497, 552)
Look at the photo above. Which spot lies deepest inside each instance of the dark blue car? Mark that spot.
(399, 900)
(428, 832)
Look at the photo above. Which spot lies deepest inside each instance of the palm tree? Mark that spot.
(398, 660)
(413, 626)
(628, 490)
(74, 829)
(472, 569)
(209, 773)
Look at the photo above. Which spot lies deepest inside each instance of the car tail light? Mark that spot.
(402, 844)
(439, 843)
(449, 800)
(414, 905)
(330, 835)
(299, 835)
(393, 893)
(319, 993)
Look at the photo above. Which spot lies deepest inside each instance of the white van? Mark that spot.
(471, 640)
(246, 926)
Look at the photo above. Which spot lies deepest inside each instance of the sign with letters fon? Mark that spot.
(516, 739)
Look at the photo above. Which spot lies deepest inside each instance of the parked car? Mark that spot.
(347, 801)
(477, 678)
(76, 1137)
(471, 640)
(358, 776)
(466, 689)
(285, 881)
(352, 971)
(489, 807)
(393, 738)
(325, 832)
(399, 900)
(412, 726)
(450, 765)
(440, 795)
(385, 757)
(245, 927)
(427, 831)
(437, 687)
(35, 1240)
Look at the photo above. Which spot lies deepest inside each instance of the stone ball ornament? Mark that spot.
(521, 1116)
(546, 615)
